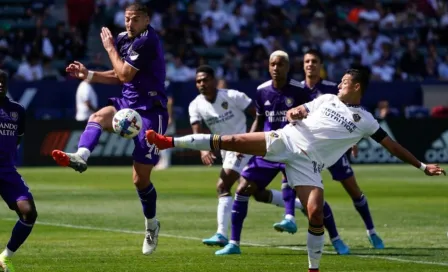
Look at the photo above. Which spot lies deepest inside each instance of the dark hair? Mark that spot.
(206, 69)
(359, 76)
(4, 78)
(137, 6)
(316, 53)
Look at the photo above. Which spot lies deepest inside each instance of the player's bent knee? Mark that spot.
(27, 211)
(246, 187)
(103, 117)
(262, 196)
(223, 187)
(141, 175)
(315, 213)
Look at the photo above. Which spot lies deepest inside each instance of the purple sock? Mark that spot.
(90, 136)
(329, 223)
(20, 232)
(362, 207)
(239, 212)
(289, 197)
(148, 197)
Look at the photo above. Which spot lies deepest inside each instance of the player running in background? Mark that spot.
(13, 188)
(320, 133)
(341, 171)
(138, 63)
(223, 111)
(274, 98)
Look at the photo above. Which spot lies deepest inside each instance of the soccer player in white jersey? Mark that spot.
(224, 112)
(321, 131)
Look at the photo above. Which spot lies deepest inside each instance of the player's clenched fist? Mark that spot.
(297, 113)
(77, 69)
(207, 158)
(434, 170)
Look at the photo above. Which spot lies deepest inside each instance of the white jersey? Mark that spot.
(331, 128)
(224, 116)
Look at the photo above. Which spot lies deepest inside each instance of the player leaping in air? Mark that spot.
(321, 131)
(274, 98)
(224, 112)
(340, 171)
(138, 64)
(13, 188)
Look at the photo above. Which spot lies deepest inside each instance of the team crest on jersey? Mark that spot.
(14, 115)
(356, 117)
(273, 135)
(225, 105)
(289, 101)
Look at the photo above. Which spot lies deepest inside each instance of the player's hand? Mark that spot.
(434, 170)
(355, 151)
(107, 39)
(77, 70)
(208, 158)
(295, 114)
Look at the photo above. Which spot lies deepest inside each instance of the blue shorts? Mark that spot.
(341, 170)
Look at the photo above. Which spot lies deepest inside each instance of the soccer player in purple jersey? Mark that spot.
(341, 171)
(138, 63)
(320, 132)
(13, 188)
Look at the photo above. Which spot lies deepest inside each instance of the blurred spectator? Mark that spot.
(30, 69)
(80, 13)
(442, 69)
(384, 111)
(179, 72)
(412, 62)
(86, 101)
(209, 32)
(49, 72)
(218, 17)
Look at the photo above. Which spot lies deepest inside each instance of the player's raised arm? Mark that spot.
(79, 71)
(403, 154)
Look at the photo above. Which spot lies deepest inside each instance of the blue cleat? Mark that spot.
(228, 250)
(286, 225)
(340, 247)
(376, 241)
(216, 240)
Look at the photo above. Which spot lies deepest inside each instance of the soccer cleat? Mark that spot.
(6, 264)
(229, 249)
(151, 239)
(376, 241)
(340, 247)
(72, 160)
(216, 240)
(286, 225)
(162, 142)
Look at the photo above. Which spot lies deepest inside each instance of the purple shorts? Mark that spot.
(13, 188)
(341, 170)
(262, 172)
(155, 119)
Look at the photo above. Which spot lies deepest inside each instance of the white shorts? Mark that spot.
(300, 170)
(231, 161)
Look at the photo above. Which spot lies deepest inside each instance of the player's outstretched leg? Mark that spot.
(224, 210)
(100, 120)
(362, 206)
(26, 210)
(288, 224)
(246, 143)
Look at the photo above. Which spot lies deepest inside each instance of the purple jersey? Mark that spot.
(273, 103)
(145, 54)
(322, 87)
(12, 126)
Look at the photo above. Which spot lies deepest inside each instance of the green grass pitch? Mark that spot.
(93, 222)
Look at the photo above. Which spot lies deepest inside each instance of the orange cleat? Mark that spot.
(162, 142)
(72, 160)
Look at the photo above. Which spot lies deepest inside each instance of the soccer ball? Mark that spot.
(127, 123)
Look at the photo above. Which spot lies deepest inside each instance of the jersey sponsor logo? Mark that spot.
(336, 116)
(369, 151)
(220, 119)
(225, 105)
(276, 116)
(439, 149)
(8, 129)
(274, 135)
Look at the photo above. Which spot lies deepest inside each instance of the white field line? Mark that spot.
(246, 243)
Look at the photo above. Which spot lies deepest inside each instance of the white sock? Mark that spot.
(298, 205)
(197, 141)
(315, 246)
(151, 223)
(7, 253)
(277, 198)
(290, 217)
(234, 242)
(223, 214)
(371, 231)
(84, 153)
